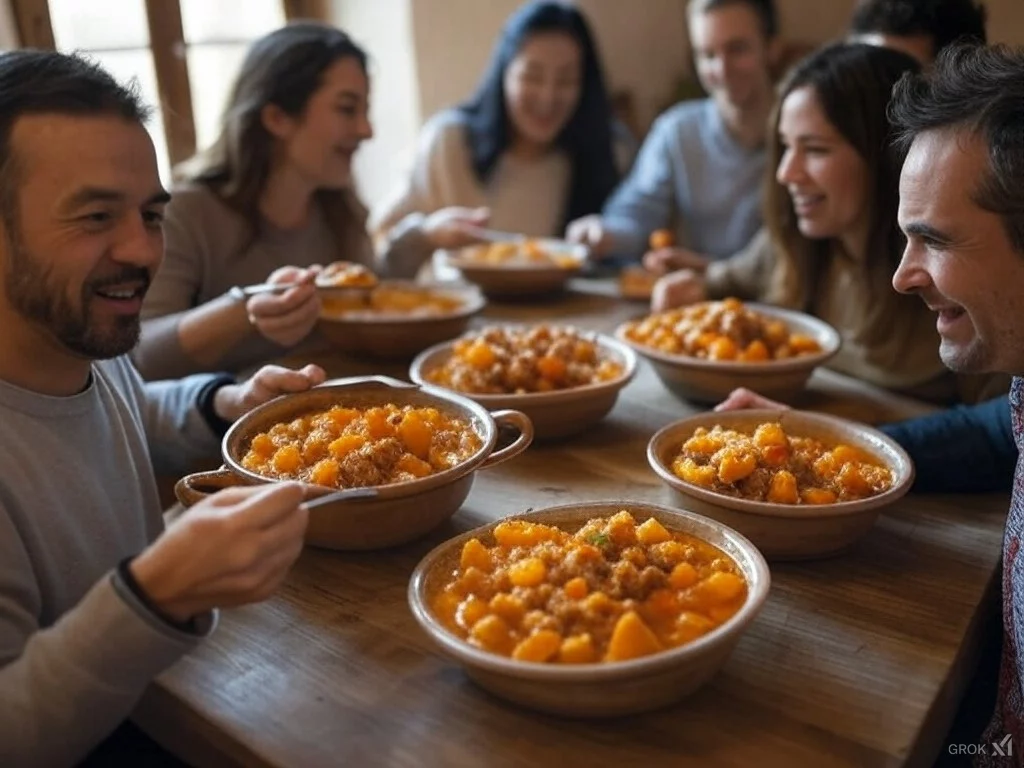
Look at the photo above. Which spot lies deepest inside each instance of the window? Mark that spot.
(184, 54)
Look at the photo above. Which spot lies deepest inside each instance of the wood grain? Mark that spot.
(858, 660)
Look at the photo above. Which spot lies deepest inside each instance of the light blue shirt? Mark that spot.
(693, 177)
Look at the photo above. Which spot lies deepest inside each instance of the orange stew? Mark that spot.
(720, 330)
(352, 447)
(346, 274)
(612, 591)
(511, 361)
(519, 253)
(392, 300)
(770, 465)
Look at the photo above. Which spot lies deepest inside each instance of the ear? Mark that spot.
(276, 121)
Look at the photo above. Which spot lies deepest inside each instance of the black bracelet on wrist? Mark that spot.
(204, 402)
(140, 594)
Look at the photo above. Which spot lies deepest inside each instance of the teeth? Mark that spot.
(118, 294)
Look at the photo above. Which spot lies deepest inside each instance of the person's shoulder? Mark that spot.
(685, 113)
(197, 209)
(446, 128)
(196, 197)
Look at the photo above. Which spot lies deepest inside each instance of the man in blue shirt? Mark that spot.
(701, 168)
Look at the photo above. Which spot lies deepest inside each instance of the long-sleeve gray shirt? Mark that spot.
(77, 495)
(693, 176)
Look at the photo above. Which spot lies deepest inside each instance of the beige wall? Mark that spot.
(429, 54)
(384, 29)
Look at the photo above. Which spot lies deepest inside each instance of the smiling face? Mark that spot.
(732, 55)
(84, 237)
(319, 143)
(543, 85)
(826, 178)
(959, 258)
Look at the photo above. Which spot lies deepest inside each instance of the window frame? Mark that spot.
(167, 46)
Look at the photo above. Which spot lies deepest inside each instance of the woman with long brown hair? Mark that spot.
(272, 200)
(831, 242)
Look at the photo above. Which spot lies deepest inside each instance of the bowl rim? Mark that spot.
(474, 303)
(898, 461)
(826, 334)
(631, 364)
(388, 491)
(593, 672)
(576, 250)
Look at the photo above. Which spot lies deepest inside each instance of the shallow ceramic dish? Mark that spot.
(555, 414)
(603, 689)
(708, 381)
(520, 278)
(394, 335)
(786, 531)
(400, 512)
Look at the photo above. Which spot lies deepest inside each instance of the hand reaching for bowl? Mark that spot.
(287, 318)
(234, 400)
(742, 399)
(661, 261)
(678, 289)
(230, 549)
(590, 231)
(455, 227)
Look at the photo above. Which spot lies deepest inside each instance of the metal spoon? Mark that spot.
(345, 494)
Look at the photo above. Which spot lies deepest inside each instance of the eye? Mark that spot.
(153, 218)
(348, 110)
(96, 217)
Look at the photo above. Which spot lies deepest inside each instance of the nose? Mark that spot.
(911, 276)
(791, 168)
(365, 128)
(138, 243)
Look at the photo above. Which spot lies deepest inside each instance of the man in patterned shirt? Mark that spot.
(962, 209)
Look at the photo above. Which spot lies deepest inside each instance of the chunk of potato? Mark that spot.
(631, 639)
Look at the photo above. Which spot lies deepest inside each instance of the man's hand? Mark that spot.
(742, 399)
(234, 400)
(661, 261)
(590, 231)
(455, 227)
(287, 318)
(677, 289)
(230, 549)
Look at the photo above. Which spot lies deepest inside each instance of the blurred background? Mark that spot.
(425, 55)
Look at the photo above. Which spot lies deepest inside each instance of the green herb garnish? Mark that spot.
(598, 539)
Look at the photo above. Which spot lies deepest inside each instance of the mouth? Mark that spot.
(805, 204)
(123, 298)
(947, 316)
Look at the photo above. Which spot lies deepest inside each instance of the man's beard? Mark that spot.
(34, 294)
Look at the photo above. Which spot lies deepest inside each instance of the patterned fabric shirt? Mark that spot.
(1008, 720)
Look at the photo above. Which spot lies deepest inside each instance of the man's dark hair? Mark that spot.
(944, 21)
(979, 91)
(44, 82)
(765, 10)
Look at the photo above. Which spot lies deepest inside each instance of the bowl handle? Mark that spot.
(523, 426)
(191, 489)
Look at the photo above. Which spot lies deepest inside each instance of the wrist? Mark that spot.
(154, 588)
(225, 402)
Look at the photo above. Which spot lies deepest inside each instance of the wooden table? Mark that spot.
(858, 660)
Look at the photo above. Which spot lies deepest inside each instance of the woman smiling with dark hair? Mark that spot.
(831, 241)
(532, 149)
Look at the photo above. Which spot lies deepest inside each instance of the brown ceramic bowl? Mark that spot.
(786, 531)
(519, 279)
(556, 414)
(708, 381)
(603, 689)
(400, 512)
(398, 335)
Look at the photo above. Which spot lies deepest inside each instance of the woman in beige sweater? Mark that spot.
(533, 146)
(831, 241)
(272, 199)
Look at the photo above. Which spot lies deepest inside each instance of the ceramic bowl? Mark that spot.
(786, 531)
(709, 381)
(400, 512)
(602, 689)
(519, 278)
(398, 335)
(557, 414)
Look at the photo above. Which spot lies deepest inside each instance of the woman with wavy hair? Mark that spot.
(270, 200)
(533, 148)
(831, 242)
